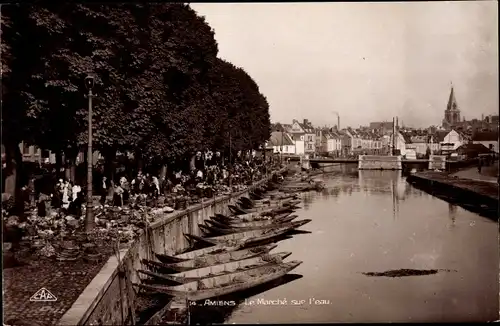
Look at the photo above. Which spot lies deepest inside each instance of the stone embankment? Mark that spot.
(480, 196)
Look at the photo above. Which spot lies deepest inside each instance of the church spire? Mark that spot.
(452, 101)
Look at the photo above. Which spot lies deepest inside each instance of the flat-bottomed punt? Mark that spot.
(250, 217)
(234, 224)
(215, 270)
(241, 239)
(204, 260)
(225, 284)
(216, 230)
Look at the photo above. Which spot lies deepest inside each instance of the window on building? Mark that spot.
(309, 146)
(45, 153)
(310, 138)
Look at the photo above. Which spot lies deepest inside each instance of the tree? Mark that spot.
(183, 50)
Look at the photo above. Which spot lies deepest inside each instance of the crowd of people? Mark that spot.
(209, 173)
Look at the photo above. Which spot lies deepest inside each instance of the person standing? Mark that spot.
(155, 187)
(103, 191)
(479, 165)
(74, 191)
(118, 196)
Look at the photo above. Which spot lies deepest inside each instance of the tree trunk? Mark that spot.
(59, 164)
(139, 161)
(14, 179)
(70, 171)
(163, 172)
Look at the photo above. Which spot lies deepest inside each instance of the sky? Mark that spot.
(366, 61)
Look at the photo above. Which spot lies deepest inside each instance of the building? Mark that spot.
(472, 150)
(304, 132)
(371, 142)
(382, 127)
(453, 119)
(399, 144)
(487, 138)
(451, 141)
(296, 134)
(452, 112)
(423, 144)
(281, 142)
(310, 137)
(35, 154)
(328, 141)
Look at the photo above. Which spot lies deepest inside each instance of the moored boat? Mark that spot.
(225, 284)
(217, 258)
(196, 253)
(236, 224)
(217, 230)
(219, 269)
(267, 205)
(241, 239)
(248, 218)
(261, 211)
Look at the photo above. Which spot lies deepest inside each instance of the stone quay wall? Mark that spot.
(376, 162)
(110, 297)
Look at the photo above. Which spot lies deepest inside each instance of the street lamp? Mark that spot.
(89, 214)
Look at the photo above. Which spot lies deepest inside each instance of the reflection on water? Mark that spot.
(204, 312)
(374, 221)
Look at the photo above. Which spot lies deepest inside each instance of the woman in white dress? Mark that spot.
(66, 194)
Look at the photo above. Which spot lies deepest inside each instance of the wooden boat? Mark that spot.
(262, 210)
(196, 253)
(213, 259)
(279, 196)
(252, 217)
(234, 224)
(242, 239)
(256, 207)
(216, 230)
(248, 203)
(214, 270)
(255, 196)
(224, 284)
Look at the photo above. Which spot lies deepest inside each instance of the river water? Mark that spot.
(374, 221)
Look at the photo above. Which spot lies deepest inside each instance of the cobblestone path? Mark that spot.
(65, 280)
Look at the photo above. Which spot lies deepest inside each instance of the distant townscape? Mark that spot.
(455, 136)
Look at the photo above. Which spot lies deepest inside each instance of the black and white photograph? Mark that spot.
(249, 162)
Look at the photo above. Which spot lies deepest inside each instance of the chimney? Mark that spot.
(338, 122)
(306, 121)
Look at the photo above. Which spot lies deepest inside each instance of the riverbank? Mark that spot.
(479, 196)
(38, 266)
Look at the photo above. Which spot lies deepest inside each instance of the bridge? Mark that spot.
(384, 163)
(353, 160)
(406, 164)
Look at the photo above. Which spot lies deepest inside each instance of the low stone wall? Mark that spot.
(376, 162)
(110, 298)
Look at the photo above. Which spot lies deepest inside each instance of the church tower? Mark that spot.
(452, 113)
